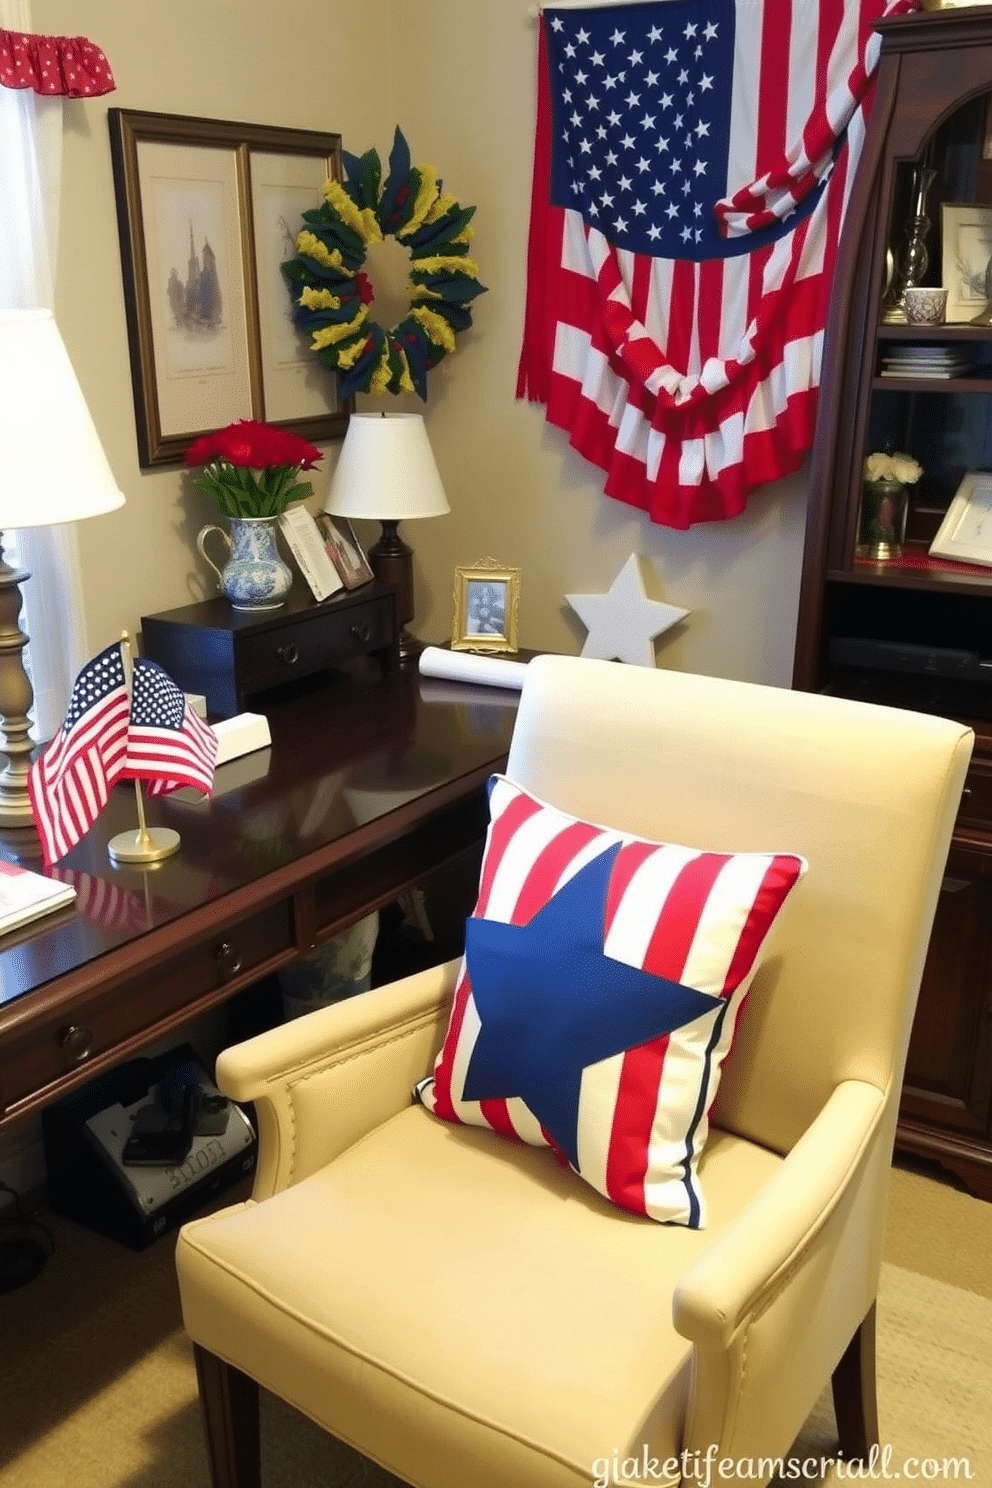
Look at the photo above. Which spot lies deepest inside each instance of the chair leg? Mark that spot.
(230, 1414)
(855, 1400)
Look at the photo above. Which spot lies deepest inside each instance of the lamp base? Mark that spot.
(409, 647)
(15, 806)
(391, 560)
(16, 698)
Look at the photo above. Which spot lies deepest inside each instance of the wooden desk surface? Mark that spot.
(368, 785)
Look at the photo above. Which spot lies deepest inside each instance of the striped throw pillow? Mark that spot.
(602, 979)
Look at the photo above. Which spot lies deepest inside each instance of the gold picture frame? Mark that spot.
(486, 598)
(207, 211)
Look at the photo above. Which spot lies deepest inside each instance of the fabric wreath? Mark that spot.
(331, 294)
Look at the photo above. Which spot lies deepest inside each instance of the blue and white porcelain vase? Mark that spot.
(254, 576)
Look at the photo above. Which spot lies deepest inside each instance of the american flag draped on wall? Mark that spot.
(692, 166)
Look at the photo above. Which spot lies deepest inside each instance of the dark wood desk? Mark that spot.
(369, 784)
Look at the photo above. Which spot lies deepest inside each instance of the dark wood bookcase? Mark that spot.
(911, 631)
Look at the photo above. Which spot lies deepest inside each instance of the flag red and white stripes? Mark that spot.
(70, 782)
(168, 744)
(690, 375)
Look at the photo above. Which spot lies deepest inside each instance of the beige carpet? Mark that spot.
(97, 1386)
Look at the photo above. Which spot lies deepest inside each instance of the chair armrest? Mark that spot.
(743, 1271)
(321, 1082)
(772, 1306)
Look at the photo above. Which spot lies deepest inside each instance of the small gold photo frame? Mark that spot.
(486, 598)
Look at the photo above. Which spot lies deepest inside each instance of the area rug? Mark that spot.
(934, 1388)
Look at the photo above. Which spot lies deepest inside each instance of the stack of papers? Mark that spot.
(25, 895)
(925, 361)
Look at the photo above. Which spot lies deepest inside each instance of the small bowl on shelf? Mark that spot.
(925, 306)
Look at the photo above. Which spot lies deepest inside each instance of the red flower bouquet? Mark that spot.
(251, 469)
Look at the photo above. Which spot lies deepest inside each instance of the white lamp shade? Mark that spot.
(52, 464)
(386, 470)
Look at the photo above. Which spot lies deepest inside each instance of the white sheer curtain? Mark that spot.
(30, 170)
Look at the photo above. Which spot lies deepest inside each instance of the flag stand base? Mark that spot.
(146, 845)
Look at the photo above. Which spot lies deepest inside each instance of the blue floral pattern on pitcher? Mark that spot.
(254, 576)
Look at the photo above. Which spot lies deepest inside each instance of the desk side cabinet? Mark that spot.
(234, 657)
(912, 630)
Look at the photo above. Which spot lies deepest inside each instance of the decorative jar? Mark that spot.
(884, 508)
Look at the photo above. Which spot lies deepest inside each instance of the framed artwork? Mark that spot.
(486, 599)
(966, 531)
(207, 212)
(344, 550)
(966, 268)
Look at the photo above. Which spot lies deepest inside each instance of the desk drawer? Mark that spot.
(267, 659)
(71, 1041)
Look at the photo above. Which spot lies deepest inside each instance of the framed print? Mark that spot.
(966, 531)
(966, 259)
(344, 551)
(208, 211)
(486, 601)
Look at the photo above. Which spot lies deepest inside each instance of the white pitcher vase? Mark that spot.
(254, 576)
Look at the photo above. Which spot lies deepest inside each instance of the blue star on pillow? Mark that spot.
(551, 1002)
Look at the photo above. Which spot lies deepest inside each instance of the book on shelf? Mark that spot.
(306, 544)
(26, 895)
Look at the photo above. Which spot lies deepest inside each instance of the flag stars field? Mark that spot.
(587, 142)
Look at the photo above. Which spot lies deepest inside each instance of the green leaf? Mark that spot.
(399, 173)
(430, 238)
(365, 177)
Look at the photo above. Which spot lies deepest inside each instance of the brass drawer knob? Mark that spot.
(77, 1042)
(228, 958)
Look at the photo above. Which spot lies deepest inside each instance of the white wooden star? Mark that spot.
(623, 622)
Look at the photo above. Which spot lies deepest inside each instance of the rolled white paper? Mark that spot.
(467, 666)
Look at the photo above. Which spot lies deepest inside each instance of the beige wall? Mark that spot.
(459, 79)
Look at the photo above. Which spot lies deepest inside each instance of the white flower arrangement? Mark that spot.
(897, 467)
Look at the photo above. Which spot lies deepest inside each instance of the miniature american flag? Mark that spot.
(168, 744)
(70, 783)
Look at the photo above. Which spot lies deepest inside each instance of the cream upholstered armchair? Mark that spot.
(468, 1311)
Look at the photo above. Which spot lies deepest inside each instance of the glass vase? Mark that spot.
(882, 528)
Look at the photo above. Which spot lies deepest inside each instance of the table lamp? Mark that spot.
(52, 469)
(386, 470)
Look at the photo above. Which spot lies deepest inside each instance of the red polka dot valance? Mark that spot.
(69, 66)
